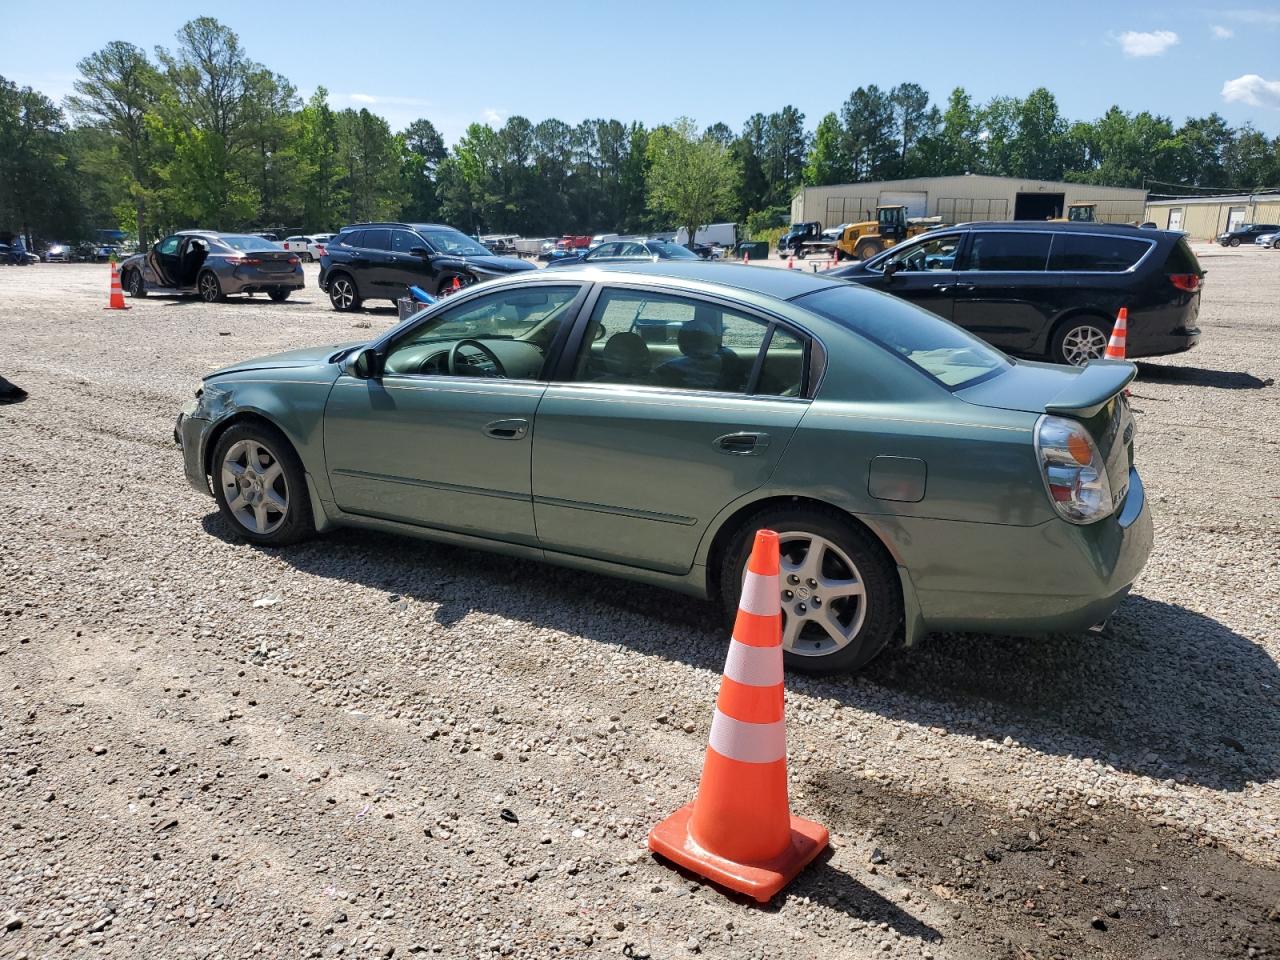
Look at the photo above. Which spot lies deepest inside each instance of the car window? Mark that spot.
(633, 250)
(671, 251)
(377, 239)
(353, 239)
(602, 251)
(1007, 250)
(518, 324)
(402, 241)
(247, 243)
(169, 245)
(953, 357)
(1095, 252)
(935, 253)
(644, 338)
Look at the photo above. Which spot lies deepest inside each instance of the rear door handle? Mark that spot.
(506, 429)
(943, 287)
(963, 288)
(742, 444)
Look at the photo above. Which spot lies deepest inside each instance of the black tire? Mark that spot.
(279, 295)
(868, 250)
(209, 287)
(307, 257)
(296, 521)
(344, 295)
(136, 286)
(1235, 241)
(1058, 347)
(1275, 244)
(882, 615)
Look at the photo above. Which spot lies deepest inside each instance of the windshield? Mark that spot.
(248, 244)
(672, 251)
(451, 241)
(953, 357)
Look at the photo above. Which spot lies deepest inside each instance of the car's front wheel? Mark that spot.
(260, 486)
(209, 287)
(1275, 244)
(1078, 341)
(841, 601)
(1235, 241)
(343, 294)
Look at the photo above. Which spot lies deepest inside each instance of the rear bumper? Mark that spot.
(1157, 345)
(258, 280)
(1056, 577)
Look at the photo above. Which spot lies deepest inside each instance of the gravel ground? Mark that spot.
(211, 750)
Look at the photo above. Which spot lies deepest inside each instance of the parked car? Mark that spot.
(309, 246)
(380, 261)
(57, 253)
(918, 478)
(1246, 233)
(1048, 289)
(213, 265)
(628, 251)
(14, 253)
(1271, 240)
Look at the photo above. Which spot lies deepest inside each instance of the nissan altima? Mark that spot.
(643, 421)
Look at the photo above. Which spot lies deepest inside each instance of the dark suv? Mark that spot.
(1048, 289)
(380, 261)
(1246, 233)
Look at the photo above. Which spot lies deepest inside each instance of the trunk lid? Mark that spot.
(1092, 394)
(269, 261)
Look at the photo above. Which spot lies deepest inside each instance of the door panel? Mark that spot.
(633, 475)
(932, 289)
(425, 450)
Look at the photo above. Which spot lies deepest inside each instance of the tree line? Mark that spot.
(203, 135)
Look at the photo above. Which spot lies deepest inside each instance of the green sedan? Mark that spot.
(644, 421)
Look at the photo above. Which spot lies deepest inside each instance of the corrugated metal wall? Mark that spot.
(1204, 221)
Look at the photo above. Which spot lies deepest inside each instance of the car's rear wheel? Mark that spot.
(279, 295)
(136, 286)
(841, 602)
(343, 294)
(1078, 341)
(260, 486)
(307, 257)
(209, 287)
(1235, 241)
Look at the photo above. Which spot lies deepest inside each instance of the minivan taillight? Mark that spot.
(1190, 282)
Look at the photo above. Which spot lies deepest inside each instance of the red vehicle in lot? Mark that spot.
(570, 242)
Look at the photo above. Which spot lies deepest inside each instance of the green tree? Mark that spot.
(912, 118)
(369, 157)
(870, 137)
(691, 178)
(424, 151)
(960, 137)
(32, 163)
(116, 89)
(1036, 148)
(827, 163)
(317, 188)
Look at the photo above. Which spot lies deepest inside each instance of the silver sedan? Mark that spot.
(212, 266)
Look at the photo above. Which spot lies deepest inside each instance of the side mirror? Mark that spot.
(367, 365)
(420, 252)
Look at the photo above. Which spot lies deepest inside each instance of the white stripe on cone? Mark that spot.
(753, 666)
(748, 742)
(760, 595)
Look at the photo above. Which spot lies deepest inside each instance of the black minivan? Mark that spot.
(1048, 289)
(380, 261)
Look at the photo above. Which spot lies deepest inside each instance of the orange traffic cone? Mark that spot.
(1115, 346)
(745, 258)
(739, 832)
(791, 263)
(117, 293)
(457, 285)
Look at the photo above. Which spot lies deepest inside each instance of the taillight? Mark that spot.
(248, 262)
(294, 261)
(1073, 471)
(1190, 282)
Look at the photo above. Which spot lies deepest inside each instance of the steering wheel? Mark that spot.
(456, 350)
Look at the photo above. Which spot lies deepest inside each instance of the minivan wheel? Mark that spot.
(841, 602)
(1076, 342)
(343, 294)
(260, 486)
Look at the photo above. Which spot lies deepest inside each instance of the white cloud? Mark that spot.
(494, 117)
(1222, 33)
(361, 98)
(1136, 43)
(1252, 90)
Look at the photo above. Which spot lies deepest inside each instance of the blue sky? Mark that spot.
(714, 61)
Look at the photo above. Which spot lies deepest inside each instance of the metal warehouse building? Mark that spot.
(964, 198)
(1206, 217)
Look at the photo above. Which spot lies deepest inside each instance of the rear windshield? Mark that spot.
(248, 244)
(953, 357)
(1182, 259)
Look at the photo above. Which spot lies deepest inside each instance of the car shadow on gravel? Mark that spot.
(1169, 693)
(238, 301)
(1200, 377)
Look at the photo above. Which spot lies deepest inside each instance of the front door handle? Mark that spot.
(943, 287)
(742, 444)
(506, 429)
(964, 288)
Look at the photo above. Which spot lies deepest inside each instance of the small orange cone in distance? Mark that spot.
(1116, 345)
(116, 302)
(739, 832)
(791, 263)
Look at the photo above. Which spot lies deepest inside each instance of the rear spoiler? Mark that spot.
(1097, 382)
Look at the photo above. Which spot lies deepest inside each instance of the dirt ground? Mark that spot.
(368, 746)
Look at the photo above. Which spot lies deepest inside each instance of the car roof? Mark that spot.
(772, 282)
(1110, 229)
(389, 223)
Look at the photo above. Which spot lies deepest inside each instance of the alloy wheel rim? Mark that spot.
(343, 295)
(1082, 344)
(824, 598)
(209, 287)
(255, 488)
(135, 284)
